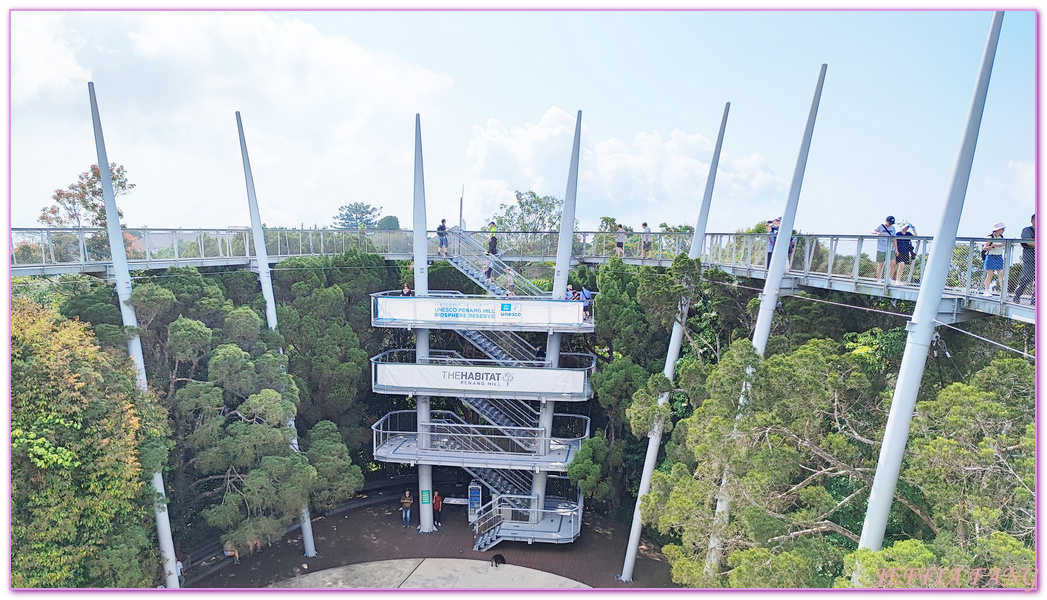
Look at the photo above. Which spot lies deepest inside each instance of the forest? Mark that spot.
(227, 397)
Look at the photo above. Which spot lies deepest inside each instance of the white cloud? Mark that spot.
(1023, 181)
(43, 57)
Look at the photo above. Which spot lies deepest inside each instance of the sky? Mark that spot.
(328, 100)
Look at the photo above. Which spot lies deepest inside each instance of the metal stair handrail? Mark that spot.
(476, 254)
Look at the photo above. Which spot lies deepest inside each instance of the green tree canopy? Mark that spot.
(357, 215)
(81, 204)
(79, 506)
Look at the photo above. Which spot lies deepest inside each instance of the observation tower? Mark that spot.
(503, 429)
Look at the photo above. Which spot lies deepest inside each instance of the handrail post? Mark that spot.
(971, 249)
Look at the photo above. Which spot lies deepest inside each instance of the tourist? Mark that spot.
(905, 252)
(1028, 263)
(405, 507)
(993, 254)
(438, 506)
(885, 229)
(619, 244)
(441, 235)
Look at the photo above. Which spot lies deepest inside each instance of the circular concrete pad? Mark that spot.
(430, 573)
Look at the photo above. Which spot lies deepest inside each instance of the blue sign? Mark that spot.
(507, 307)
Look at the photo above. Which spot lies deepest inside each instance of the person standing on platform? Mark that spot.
(1028, 263)
(883, 253)
(772, 234)
(645, 242)
(405, 506)
(438, 506)
(441, 234)
(993, 259)
(619, 242)
(406, 291)
(905, 251)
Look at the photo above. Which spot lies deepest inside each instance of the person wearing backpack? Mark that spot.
(993, 253)
(441, 234)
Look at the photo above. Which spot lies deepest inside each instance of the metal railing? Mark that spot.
(469, 249)
(446, 434)
(857, 258)
(834, 256)
(528, 522)
(568, 360)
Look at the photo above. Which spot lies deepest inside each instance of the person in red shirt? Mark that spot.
(438, 506)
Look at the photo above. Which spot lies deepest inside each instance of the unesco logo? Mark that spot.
(507, 308)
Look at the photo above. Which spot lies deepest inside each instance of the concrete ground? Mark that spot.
(430, 573)
(354, 549)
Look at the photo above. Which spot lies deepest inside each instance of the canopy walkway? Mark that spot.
(837, 262)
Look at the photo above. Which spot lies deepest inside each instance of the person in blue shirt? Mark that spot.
(587, 297)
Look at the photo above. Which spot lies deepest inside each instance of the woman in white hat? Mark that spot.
(993, 258)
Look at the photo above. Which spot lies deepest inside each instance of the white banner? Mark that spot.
(467, 379)
(478, 311)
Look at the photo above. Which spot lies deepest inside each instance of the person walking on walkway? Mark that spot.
(1028, 263)
(438, 506)
(645, 242)
(441, 234)
(619, 243)
(883, 252)
(993, 258)
(405, 506)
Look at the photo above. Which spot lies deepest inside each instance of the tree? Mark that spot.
(79, 503)
(357, 216)
(530, 213)
(81, 204)
(388, 223)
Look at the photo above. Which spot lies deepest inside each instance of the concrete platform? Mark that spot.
(430, 573)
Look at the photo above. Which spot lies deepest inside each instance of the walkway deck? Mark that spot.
(829, 261)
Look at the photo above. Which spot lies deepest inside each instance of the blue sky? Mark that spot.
(328, 102)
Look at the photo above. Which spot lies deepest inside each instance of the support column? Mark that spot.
(266, 280)
(921, 327)
(654, 438)
(564, 243)
(768, 302)
(134, 342)
(421, 288)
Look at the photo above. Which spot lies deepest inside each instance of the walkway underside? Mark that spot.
(954, 307)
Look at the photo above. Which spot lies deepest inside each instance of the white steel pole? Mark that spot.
(266, 281)
(421, 288)
(771, 287)
(564, 244)
(130, 320)
(654, 438)
(768, 301)
(921, 326)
